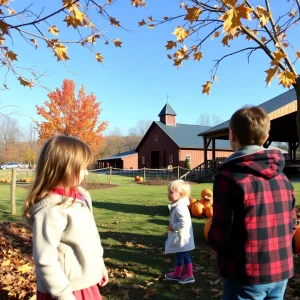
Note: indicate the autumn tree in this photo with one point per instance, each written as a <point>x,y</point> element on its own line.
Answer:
<point>228,20</point>
<point>66,115</point>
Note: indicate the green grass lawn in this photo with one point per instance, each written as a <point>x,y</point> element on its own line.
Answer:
<point>132,220</point>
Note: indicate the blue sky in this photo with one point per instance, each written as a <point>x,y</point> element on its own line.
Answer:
<point>134,80</point>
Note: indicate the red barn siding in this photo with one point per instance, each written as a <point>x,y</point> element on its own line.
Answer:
<point>130,162</point>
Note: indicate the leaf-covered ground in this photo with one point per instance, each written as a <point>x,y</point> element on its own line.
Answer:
<point>17,278</point>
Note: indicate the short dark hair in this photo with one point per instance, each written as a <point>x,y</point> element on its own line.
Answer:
<point>251,125</point>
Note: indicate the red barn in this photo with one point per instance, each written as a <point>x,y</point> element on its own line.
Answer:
<point>169,143</point>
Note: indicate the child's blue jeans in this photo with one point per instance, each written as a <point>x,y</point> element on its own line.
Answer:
<point>182,258</point>
<point>267,291</point>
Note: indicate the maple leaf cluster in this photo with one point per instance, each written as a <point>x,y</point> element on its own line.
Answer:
<point>231,19</point>
<point>79,15</point>
<point>65,114</point>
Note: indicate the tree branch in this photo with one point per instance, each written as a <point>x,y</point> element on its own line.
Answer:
<point>42,19</point>
<point>286,59</point>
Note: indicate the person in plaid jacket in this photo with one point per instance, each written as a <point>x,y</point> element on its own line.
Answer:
<point>254,213</point>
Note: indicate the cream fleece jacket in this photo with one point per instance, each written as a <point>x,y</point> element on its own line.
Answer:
<point>67,250</point>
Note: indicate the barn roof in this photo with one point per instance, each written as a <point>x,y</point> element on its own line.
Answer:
<point>119,155</point>
<point>185,135</point>
<point>167,110</point>
<point>269,106</point>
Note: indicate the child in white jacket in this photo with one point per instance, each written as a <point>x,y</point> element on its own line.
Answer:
<point>180,235</point>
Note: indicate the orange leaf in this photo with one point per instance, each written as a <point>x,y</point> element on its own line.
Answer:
<point>151,26</point>
<point>117,42</point>
<point>99,57</point>
<point>271,73</point>
<point>138,3</point>
<point>193,14</point>
<point>170,45</point>
<point>11,55</point>
<point>298,54</point>
<point>287,78</point>
<point>215,35</point>
<point>198,55</point>
<point>142,23</point>
<point>34,42</point>
<point>25,82</point>
<point>206,87</point>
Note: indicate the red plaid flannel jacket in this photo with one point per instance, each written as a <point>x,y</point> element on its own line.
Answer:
<point>254,218</point>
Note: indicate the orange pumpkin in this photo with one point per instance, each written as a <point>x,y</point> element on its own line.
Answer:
<point>207,228</point>
<point>141,179</point>
<point>192,200</point>
<point>209,212</point>
<point>207,194</point>
<point>137,178</point>
<point>297,239</point>
<point>197,209</point>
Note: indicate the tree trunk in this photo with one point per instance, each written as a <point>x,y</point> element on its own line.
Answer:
<point>297,89</point>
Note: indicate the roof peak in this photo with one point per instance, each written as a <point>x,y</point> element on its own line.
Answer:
<point>167,110</point>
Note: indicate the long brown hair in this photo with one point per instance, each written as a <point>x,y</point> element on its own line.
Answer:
<point>60,162</point>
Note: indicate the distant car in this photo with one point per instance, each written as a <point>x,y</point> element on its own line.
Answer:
<point>10,165</point>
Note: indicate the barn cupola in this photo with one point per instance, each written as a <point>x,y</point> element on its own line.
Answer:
<point>167,115</point>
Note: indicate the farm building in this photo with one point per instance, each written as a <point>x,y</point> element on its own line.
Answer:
<point>282,111</point>
<point>124,160</point>
<point>169,143</point>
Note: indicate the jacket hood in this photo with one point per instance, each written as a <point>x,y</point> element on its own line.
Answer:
<point>255,160</point>
<point>52,199</point>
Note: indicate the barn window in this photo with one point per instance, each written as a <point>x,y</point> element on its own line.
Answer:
<point>156,138</point>
<point>188,156</point>
<point>170,158</point>
<point>143,160</point>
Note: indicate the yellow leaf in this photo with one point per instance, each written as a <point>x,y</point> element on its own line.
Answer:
<point>25,82</point>
<point>2,39</point>
<point>181,33</point>
<point>99,57</point>
<point>151,26</point>
<point>287,78</point>
<point>170,45</point>
<point>5,263</point>
<point>206,87</point>
<point>193,14</point>
<point>11,11</point>
<point>142,23</point>
<point>34,42</point>
<point>293,13</point>
<point>232,18</point>
<point>198,55</point>
<point>278,56</point>
<point>117,42</point>
<point>271,73</point>
<point>11,55</point>
<point>60,51</point>
<point>25,269</point>
<point>264,15</point>
<point>79,15</point>
<point>53,30</point>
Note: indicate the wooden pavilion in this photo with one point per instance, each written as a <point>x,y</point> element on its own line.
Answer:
<point>282,111</point>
